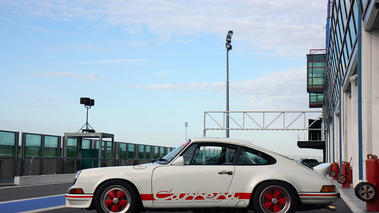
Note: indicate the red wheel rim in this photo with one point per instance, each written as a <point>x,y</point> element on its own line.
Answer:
<point>115,199</point>
<point>275,199</point>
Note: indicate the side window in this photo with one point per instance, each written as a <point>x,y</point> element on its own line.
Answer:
<point>213,155</point>
<point>254,157</point>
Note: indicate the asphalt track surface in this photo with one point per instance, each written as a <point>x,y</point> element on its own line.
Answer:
<point>50,199</point>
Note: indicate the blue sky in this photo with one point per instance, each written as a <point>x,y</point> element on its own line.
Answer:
<point>153,65</point>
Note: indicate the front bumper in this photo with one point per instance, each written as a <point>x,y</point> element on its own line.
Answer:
<point>78,200</point>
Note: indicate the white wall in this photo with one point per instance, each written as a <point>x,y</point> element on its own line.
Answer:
<point>349,112</point>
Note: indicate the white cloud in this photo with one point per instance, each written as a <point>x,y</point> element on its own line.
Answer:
<point>284,90</point>
<point>271,83</point>
<point>281,83</point>
<point>78,76</point>
<point>285,27</point>
<point>112,61</point>
<point>62,48</point>
<point>183,87</point>
<point>37,28</point>
<point>167,73</point>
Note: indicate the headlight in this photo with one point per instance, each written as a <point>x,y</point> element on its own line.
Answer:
<point>77,175</point>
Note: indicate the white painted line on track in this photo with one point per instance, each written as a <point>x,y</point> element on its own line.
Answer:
<point>352,205</point>
<point>33,185</point>
<point>33,198</point>
<point>44,209</point>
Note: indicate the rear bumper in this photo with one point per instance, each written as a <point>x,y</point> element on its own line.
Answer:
<point>318,198</point>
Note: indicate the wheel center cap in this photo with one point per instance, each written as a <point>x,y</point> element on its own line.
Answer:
<point>115,200</point>
<point>274,201</point>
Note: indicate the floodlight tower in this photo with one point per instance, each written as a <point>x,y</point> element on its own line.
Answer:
<point>88,103</point>
<point>228,46</point>
<point>186,126</point>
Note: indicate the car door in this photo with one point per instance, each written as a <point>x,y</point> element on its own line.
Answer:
<point>202,181</point>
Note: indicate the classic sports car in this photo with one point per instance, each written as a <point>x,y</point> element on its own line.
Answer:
<point>206,173</point>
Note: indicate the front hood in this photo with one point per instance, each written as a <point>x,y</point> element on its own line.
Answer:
<point>97,175</point>
<point>140,175</point>
<point>103,171</point>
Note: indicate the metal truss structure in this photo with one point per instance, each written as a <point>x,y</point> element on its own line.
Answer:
<point>261,120</point>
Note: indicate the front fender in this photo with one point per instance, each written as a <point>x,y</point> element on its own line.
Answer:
<point>90,179</point>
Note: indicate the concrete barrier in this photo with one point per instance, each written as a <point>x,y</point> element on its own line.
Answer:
<point>44,179</point>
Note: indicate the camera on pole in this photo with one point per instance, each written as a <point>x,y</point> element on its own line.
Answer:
<point>88,103</point>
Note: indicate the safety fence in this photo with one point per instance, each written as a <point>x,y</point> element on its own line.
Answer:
<point>39,154</point>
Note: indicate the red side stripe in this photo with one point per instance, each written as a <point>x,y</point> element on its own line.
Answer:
<point>147,197</point>
<point>239,195</point>
<point>243,195</point>
<point>79,196</point>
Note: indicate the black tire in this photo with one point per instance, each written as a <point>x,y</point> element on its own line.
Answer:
<point>274,196</point>
<point>365,191</point>
<point>333,173</point>
<point>116,196</point>
<point>341,179</point>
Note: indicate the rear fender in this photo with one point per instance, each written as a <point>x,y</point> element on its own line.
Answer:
<point>322,169</point>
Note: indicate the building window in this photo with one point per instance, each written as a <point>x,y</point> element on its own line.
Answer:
<point>131,152</point>
<point>72,147</point>
<point>51,146</point>
<point>148,152</point>
<point>156,152</point>
<point>33,145</point>
<point>123,150</point>
<point>141,152</point>
<point>7,142</point>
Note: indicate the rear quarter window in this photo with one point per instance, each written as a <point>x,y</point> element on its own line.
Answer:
<point>249,156</point>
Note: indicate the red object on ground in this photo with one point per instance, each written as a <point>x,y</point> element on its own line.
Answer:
<point>335,171</point>
<point>347,172</point>
<point>372,175</point>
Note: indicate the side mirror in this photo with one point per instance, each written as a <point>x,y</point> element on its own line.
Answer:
<point>179,161</point>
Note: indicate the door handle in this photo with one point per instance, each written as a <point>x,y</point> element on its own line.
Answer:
<point>225,173</point>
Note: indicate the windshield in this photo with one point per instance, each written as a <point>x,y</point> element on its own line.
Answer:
<point>167,158</point>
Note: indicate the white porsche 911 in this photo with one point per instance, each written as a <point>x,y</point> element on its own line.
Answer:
<point>206,173</point>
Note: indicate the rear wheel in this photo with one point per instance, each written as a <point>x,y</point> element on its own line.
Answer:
<point>116,196</point>
<point>274,196</point>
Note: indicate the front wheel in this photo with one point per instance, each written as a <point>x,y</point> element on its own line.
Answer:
<point>115,197</point>
<point>274,197</point>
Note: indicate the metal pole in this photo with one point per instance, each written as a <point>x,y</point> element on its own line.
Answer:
<point>87,119</point>
<point>228,47</point>
<point>227,93</point>
<point>186,126</point>
<point>359,80</point>
<point>340,125</point>
<point>205,131</point>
